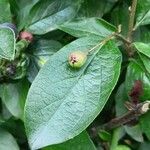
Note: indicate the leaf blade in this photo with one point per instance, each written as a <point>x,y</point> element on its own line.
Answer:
<point>64,102</point>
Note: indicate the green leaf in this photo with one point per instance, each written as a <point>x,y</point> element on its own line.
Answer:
<point>144,53</point>
<point>7,43</point>
<point>87,27</point>
<point>143,48</point>
<point>143,13</point>
<point>80,142</point>
<point>7,141</point>
<point>14,96</point>
<point>5,14</point>
<point>49,15</point>
<point>63,101</point>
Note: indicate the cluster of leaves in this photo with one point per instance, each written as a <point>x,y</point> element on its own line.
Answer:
<point>50,105</point>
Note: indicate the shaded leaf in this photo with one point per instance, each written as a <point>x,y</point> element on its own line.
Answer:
<point>5,14</point>
<point>14,96</point>
<point>92,8</point>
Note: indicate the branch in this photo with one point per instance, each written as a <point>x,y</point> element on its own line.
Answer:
<point>135,112</point>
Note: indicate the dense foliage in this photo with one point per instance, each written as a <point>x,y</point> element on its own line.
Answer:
<point>75,74</point>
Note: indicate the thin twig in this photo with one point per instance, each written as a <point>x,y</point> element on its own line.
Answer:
<point>131,20</point>
<point>102,42</point>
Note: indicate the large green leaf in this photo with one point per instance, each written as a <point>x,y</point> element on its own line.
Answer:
<point>14,96</point>
<point>7,43</point>
<point>80,142</point>
<point>7,141</point>
<point>49,14</point>
<point>87,27</point>
<point>63,101</point>
<point>143,13</point>
<point>5,14</point>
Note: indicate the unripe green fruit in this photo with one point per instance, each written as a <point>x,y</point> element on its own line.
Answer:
<point>77,59</point>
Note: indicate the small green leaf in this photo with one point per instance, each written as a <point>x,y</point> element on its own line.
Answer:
<point>80,142</point>
<point>87,27</point>
<point>104,135</point>
<point>143,48</point>
<point>7,43</point>
<point>5,14</point>
<point>43,49</point>
<point>62,101</point>
<point>7,141</point>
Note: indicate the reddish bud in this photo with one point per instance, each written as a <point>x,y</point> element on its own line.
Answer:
<point>26,36</point>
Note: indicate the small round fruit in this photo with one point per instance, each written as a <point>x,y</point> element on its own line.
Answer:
<point>77,59</point>
<point>26,36</point>
<point>11,26</point>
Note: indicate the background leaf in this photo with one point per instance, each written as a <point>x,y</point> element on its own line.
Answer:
<point>14,96</point>
<point>66,113</point>
<point>143,13</point>
<point>48,15</point>
<point>7,141</point>
<point>5,14</point>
